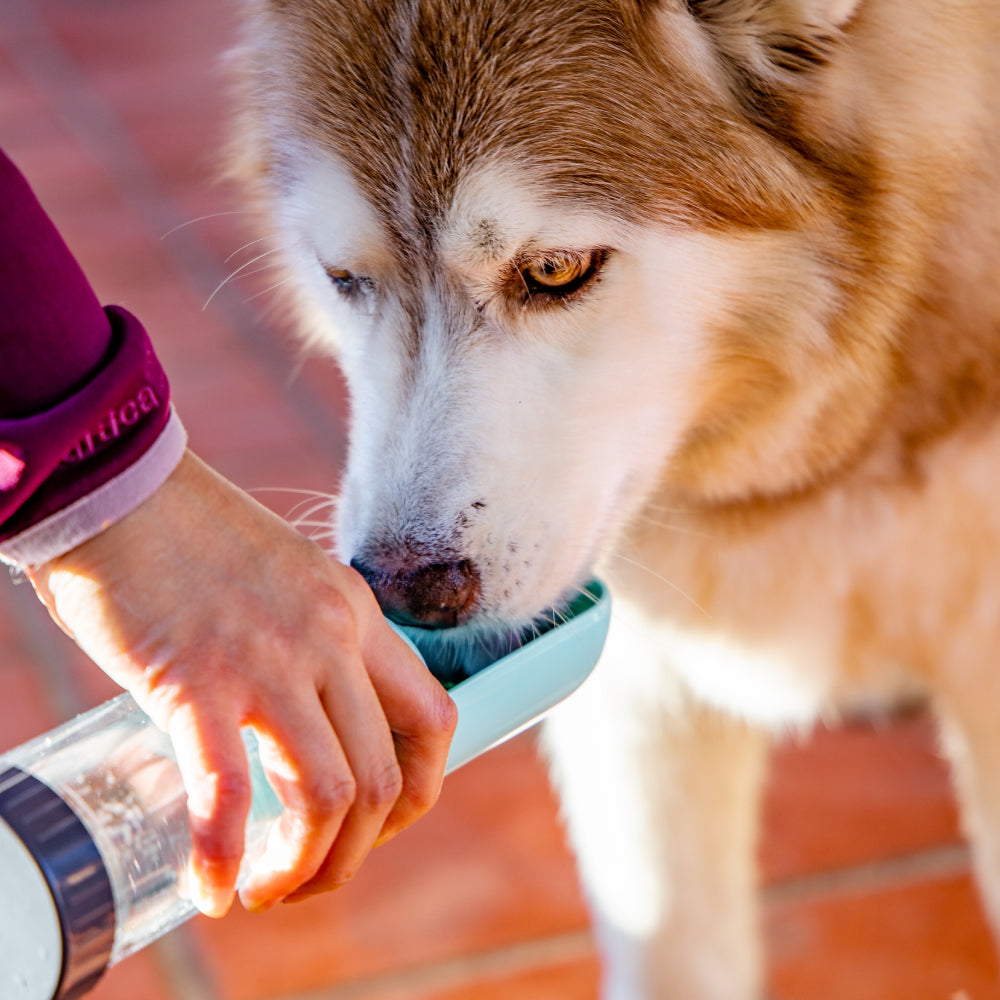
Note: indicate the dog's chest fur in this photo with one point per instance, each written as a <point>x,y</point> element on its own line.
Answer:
<point>871,590</point>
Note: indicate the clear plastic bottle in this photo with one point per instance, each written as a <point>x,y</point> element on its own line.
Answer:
<point>114,862</point>
<point>94,836</point>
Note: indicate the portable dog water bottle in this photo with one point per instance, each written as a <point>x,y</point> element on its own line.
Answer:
<point>94,840</point>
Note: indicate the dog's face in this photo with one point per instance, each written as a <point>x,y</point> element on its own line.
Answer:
<point>569,253</point>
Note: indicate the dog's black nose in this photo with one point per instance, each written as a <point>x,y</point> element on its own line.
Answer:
<point>429,596</point>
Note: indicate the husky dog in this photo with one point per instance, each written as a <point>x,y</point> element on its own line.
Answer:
<point>704,294</point>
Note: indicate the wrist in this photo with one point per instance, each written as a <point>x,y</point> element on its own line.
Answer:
<point>98,510</point>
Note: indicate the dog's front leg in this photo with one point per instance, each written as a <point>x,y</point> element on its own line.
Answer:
<point>661,800</point>
<point>969,708</point>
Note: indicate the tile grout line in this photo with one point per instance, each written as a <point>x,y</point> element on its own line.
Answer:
<point>449,973</point>
<point>87,116</point>
<point>933,863</point>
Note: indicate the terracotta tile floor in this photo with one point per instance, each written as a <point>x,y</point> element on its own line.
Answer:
<point>116,109</point>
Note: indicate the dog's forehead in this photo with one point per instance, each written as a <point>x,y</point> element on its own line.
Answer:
<point>413,95</point>
<point>410,94</point>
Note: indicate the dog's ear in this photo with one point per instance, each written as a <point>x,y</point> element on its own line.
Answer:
<point>772,46</point>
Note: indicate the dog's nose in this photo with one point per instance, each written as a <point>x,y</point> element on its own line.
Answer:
<point>429,596</point>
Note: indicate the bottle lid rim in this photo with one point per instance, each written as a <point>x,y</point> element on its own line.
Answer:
<point>77,878</point>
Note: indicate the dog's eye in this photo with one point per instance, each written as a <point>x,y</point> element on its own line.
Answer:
<point>556,271</point>
<point>560,273</point>
<point>343,281</point>
<point>348,283</point>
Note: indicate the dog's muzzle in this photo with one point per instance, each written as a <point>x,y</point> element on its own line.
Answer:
<point>433,596</point>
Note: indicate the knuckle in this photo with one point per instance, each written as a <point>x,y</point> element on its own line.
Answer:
<point>444,718</point>
<point>164,694</point>
<point>218,856</point>
<point>222,791</point>
<point>421,797</point>
<point>338,619</point>
<point>354,582</point>
<point>332,797</point>
<point>438,716</point>
<point>381,788</point>
<point>337,872</point>
<point>341,876</point>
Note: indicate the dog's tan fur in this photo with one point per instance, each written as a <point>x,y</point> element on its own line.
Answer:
<point>823,527</point>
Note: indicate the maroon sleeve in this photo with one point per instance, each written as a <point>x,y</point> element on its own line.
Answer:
<point>82,395</point>
<point>55,334</point>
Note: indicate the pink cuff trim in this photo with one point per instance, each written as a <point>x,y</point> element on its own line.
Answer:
<point>92,513</point>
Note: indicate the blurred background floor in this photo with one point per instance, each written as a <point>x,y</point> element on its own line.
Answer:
<point>117,112</point>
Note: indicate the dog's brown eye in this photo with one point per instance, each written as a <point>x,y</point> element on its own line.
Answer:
<point>343,281</point>
<point>348,283</point>
<point>557,270</point>
<point>560,273</point>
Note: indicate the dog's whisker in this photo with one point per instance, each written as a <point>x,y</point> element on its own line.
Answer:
<point>306,494</point>
<point>674,528</point>
<point>323,543</point>
<point>659,576</point>
<point>662,508</point>
<point>316,531</point>
<point>240,270</point>
<point>288,489</point>
<point>270,265</point>
<point>312,509</point>
<point>316,501</point>
<point>291,489</point>
<point>308,509</point>
<point>270,288</point>
<point>202,218</point>
<point>316,510</point>
<point>308,523</point>
<point>323,534</point>
<point>320,516</point>
<point>260,239</point>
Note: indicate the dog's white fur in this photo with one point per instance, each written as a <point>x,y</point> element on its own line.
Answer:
<point>771,418</point>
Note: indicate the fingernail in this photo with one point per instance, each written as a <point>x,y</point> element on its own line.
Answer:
<point>213,901</point>
<point>259,905</point>
<point>252,901</point>
<point>301,897</point>
<point>385,837</point>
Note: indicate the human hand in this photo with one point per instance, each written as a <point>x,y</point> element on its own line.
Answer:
<point>216,614</point>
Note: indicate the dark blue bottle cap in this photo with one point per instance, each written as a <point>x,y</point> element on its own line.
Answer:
<point>74,871</point>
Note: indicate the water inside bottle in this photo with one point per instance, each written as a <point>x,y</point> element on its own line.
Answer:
<point>135,808</point>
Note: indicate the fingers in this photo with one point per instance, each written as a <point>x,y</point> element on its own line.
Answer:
<point>213,766</point>
<point>392,724</point>
<point>373,798</point>
<point>375,784</point>
<point>328,803</point>
<point>355,755</point>
<point>339,799</point>
<point>422,717</point>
